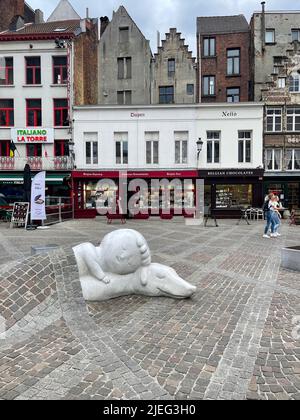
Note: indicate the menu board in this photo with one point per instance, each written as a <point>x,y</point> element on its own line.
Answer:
<point>20,215</point>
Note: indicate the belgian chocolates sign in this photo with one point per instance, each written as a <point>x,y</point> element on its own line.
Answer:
<point>233,173</point>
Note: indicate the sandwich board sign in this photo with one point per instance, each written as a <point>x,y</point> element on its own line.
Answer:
<point>20,215</point>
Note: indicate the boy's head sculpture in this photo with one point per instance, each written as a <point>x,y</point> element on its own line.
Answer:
<point>121,266</point>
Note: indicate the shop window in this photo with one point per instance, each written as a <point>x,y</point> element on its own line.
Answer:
<point>124,68</point>
<point>33,70</point>
<point>152,148</point>
<point>34,112</point>
<point>294,83</point>
<point>60,70</point>
<point>124,34</point>
<point>121,140</point>
<point>293,159</point>
<point>209,85</point>
<point>270,36</point>
<point>166,95</point>
<point>274,119</point>
<point>124,97</point>
<point>34,150</point>
<point>171,67</point>
<point>6,71</point>
<point>213,146</point>
<point>4,148</point>
<point>233,95</point>
<point>293,119</point>
<point>233,62</point>
<point>6,112</point>
<point>233,196</point>
<point>61,148</point>
<point>244,146</point>
<point>181,147</point>
<point>61,113</point>
<point>273,161</point>
<point>209,47</point>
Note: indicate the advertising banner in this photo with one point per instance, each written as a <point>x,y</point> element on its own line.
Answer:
<point>32,135</point>
<point>38,200</point>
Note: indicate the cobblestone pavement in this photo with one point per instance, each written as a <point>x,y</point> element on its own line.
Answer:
<point>235,339</point>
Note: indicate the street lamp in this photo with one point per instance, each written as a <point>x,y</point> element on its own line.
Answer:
<point>199,147</point>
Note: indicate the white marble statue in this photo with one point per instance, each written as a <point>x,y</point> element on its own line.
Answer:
<point>121,266</point>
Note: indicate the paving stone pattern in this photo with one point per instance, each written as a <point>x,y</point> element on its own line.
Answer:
<point>235,339</point>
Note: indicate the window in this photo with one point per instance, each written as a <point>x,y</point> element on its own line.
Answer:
<point>171,67</point>
<point>61,148</point>
<point>166,95</point>
<point>4,148</point>
<point>124,34</point>
<point>209,47</point>
<point>124,97</point>
<point>233,95</point>
<point>91,148</point>
<point>281,83</point>
<point>294,83</point>
<point>6,112</point>
<point>124,68</point>
<point>209,88</point>
<point>34,113</point>
<point>152,146</point>
<point>60,70</point>
<point>121,148</point>
<point>296,35</point>
<point>6,71</point>
<point>190,89</point>
<point>274,119</point>
<point>270,36</point>
<point>293,119</point>
<point>234,196</point>
<point>233,62</point>
<point>293,159</point>
<point>61,113</point>
<point>273,159</point>
<point>34,150</point>
<point>213,146</point>
<point>33,70</point>
<point>181,147</point>
<point>244,146</point>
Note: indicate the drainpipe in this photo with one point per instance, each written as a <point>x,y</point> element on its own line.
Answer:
<point>263,26</point>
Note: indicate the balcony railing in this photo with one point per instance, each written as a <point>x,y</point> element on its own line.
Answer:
<point>36,163</point>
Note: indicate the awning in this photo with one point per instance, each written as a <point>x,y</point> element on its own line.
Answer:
<point>17,179</point>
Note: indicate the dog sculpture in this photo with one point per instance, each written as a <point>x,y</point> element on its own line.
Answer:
<point>122,266</point>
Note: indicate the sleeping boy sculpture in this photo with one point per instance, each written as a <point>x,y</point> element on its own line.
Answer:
<point>122,266</point>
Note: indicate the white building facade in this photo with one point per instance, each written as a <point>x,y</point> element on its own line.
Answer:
<point>161,142</point>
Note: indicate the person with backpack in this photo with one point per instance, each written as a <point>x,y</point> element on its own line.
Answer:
<point>269,217</point>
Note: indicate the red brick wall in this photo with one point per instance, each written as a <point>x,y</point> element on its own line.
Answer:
<point>8,9</point>
<point>218,66</point>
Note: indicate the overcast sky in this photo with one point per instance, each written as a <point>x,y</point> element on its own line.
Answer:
<point>160,15</point>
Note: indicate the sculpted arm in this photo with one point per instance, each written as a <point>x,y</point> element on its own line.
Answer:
<point>90,258</point>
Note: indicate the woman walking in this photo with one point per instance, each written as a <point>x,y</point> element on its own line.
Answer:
<point>269,216</point>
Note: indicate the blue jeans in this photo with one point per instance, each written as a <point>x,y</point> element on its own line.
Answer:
<point>277,222</point>
<point>270,222</point>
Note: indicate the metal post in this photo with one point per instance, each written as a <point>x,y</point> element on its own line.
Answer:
<point>59,206</point>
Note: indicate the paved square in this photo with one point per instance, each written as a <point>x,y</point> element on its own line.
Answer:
<point>238,338</point>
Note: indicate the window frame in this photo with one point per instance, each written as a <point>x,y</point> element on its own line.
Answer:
<point>9,113</point>
<point>294,151</point>
<point>35,69</point>
<point>61,110</point>
<point>232,60</point>
<point>35,110</point>
<point>36,148</point>
<point>166,95</point>
<point>124,160</point>
<point>209,77</point>
<point>273,31</point>
<point>63,145</point>
<point>233,96</point>
<point>245,141</point>
<point>123,29</point>
<point>126,69</point>
<point>61,68</point>
<point>294,80</point>
<point>273,117</point>
<point>171,67</point>
<point>211,51</point>
<point>7,69</point>
<point>183,160</point>
<point>124,96</point>
<point>273,151</point>
<point>295,30</point>
<point>94,159</point>
<point>213,141</point>
<point>5,148</point>
<point>294,116</point>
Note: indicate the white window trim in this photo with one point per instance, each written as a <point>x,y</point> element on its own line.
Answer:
<point>152,152</point>
<point>294,121</point>
<point>245,142</point>
<point>92,142</point>
<point>273,160</point>
<point>122,152</point>
<point>293,161</point>
<point>294,77</point>
<point>213,148</point>
<point>274,116</point>
<point>181,152</point>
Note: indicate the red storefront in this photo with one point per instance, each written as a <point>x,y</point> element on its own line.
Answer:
<point>86,191</point>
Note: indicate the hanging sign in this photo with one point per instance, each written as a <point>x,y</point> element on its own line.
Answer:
<point>32,135</point>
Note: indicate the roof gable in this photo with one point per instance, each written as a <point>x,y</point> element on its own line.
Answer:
<point>222,24</point>
<point>63,11</point>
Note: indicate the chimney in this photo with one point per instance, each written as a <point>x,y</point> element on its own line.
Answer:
<point>104,24</point>
<point>39,16</point>
<point>19,8</point>
<point>87,13</point>
<point>158,39</point>
<point>263,26</point>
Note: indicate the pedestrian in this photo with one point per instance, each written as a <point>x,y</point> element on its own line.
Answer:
<point>276,216</point>
<point>269,216</point>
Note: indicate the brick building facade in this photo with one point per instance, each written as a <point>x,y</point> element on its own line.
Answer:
<point>223,59</point>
